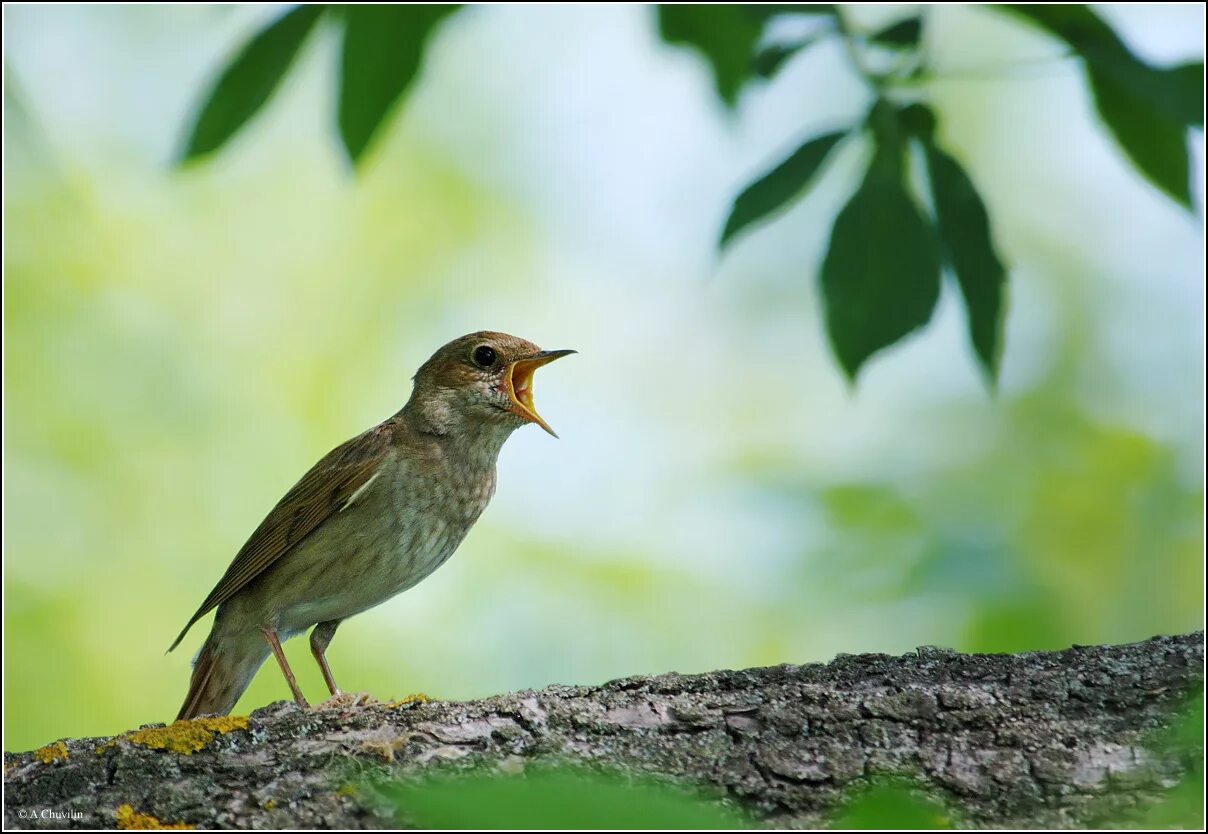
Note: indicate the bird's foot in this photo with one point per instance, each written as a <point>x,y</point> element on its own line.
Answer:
<point>349,700</point>
<point>417,698</point>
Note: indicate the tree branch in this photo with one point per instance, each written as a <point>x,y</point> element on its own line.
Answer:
<point>1040,739</point>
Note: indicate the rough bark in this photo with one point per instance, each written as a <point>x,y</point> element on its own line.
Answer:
<point>1028,740</point>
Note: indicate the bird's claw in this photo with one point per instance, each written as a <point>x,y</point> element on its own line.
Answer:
<point>349,700</point>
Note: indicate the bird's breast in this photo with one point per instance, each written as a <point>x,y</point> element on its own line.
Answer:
<point>433,516</point>
<point>400,530</point>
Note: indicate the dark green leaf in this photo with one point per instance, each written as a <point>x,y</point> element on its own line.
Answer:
<point>553,800</point>
<point>765,11</point>
<point>881,275</point>
<point>779,186</point>
<point>1147,109</point>
<point>964,228</point>
<point>1077,25</point>
<point>902,35</point>
<point>1186,83</point>
<point>249,81</point>
<point>771,58</point>
<point>724,33</point>
<point>1177,92</point>
<point>917,120</point>
<point>1156,144</point>
<point>383,49</point>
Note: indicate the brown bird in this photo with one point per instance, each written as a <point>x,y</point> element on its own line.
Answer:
<point>371,519</point>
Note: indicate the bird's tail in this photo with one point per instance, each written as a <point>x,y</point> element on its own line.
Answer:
<point>223,668</point>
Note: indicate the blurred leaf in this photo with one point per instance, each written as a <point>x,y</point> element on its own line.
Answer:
<point>869,509</point>
<point>964,228</point>
<point>553,800</point>
<point>724,33</point>
<point>1180,808</point>
<point>901,35</point>
<point>764,11</point>
<point>1183,805</point>
<point>881,274</point>
<point>1089,35</point>
<point>772,58</point>
<point>1156,145</point>
<point>1146,109</point>
<point>1184,735</point>
<point>779,186</point>
<point>893,804</point>
<point>383,48</point>
<point>249,81</point>
<point>1028,620</point>
<point>1187,85</point>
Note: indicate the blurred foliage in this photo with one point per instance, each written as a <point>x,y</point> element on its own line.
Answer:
<point>1183,806</point>
<point>779,186</point>
<point>881,276</point>
<point>1060,530</point>
<point>249,80</point>
<point>382,51</point>
<point>576,798</point>
<point>383,47</point>
<point>1147,109</point>
<point>891,804</point>
<point>554,799</point>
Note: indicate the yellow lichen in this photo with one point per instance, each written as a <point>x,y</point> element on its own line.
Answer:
<point>129,819</point>
<point>186,737</point>
<point>417,698</point>
<point>51,753</point>
<point>346,790</point>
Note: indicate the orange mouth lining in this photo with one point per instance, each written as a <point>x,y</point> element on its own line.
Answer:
<point>520,385</point>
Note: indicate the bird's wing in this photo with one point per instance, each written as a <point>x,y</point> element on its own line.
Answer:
<point>326,489</point>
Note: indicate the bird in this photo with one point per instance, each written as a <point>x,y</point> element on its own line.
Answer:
<point>375,516</point>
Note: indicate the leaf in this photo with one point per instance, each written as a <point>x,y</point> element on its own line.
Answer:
<point>1156,144</point>
<point>892,803</point>
<point>779,186</point>
<point>383,49</point>
<point>724,33</point>
<point>554,800</point>
<point>766,11</point>
<point>771,58</point>
<point>1186,83</point>
<point>1147,109</point>
<point>901,35</point>
<point>249,81</point>
<point>964,228</point>
<point>881,274</point>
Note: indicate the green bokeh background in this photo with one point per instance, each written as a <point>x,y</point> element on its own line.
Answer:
<point>181,345</point>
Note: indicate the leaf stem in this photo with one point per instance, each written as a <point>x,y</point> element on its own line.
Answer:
<point>874,81</point>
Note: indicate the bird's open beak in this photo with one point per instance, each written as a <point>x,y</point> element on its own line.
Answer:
<point>520,384</point>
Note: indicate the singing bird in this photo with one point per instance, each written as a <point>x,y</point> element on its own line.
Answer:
<point>371,519</point>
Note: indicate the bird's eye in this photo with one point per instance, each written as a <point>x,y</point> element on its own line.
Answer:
<point>484,356</point>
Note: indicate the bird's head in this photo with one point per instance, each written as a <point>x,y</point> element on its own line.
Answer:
<point>482,380</point>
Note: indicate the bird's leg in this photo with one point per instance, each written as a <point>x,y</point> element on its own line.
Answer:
<point>275,645</point>
<point>319,640</point>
